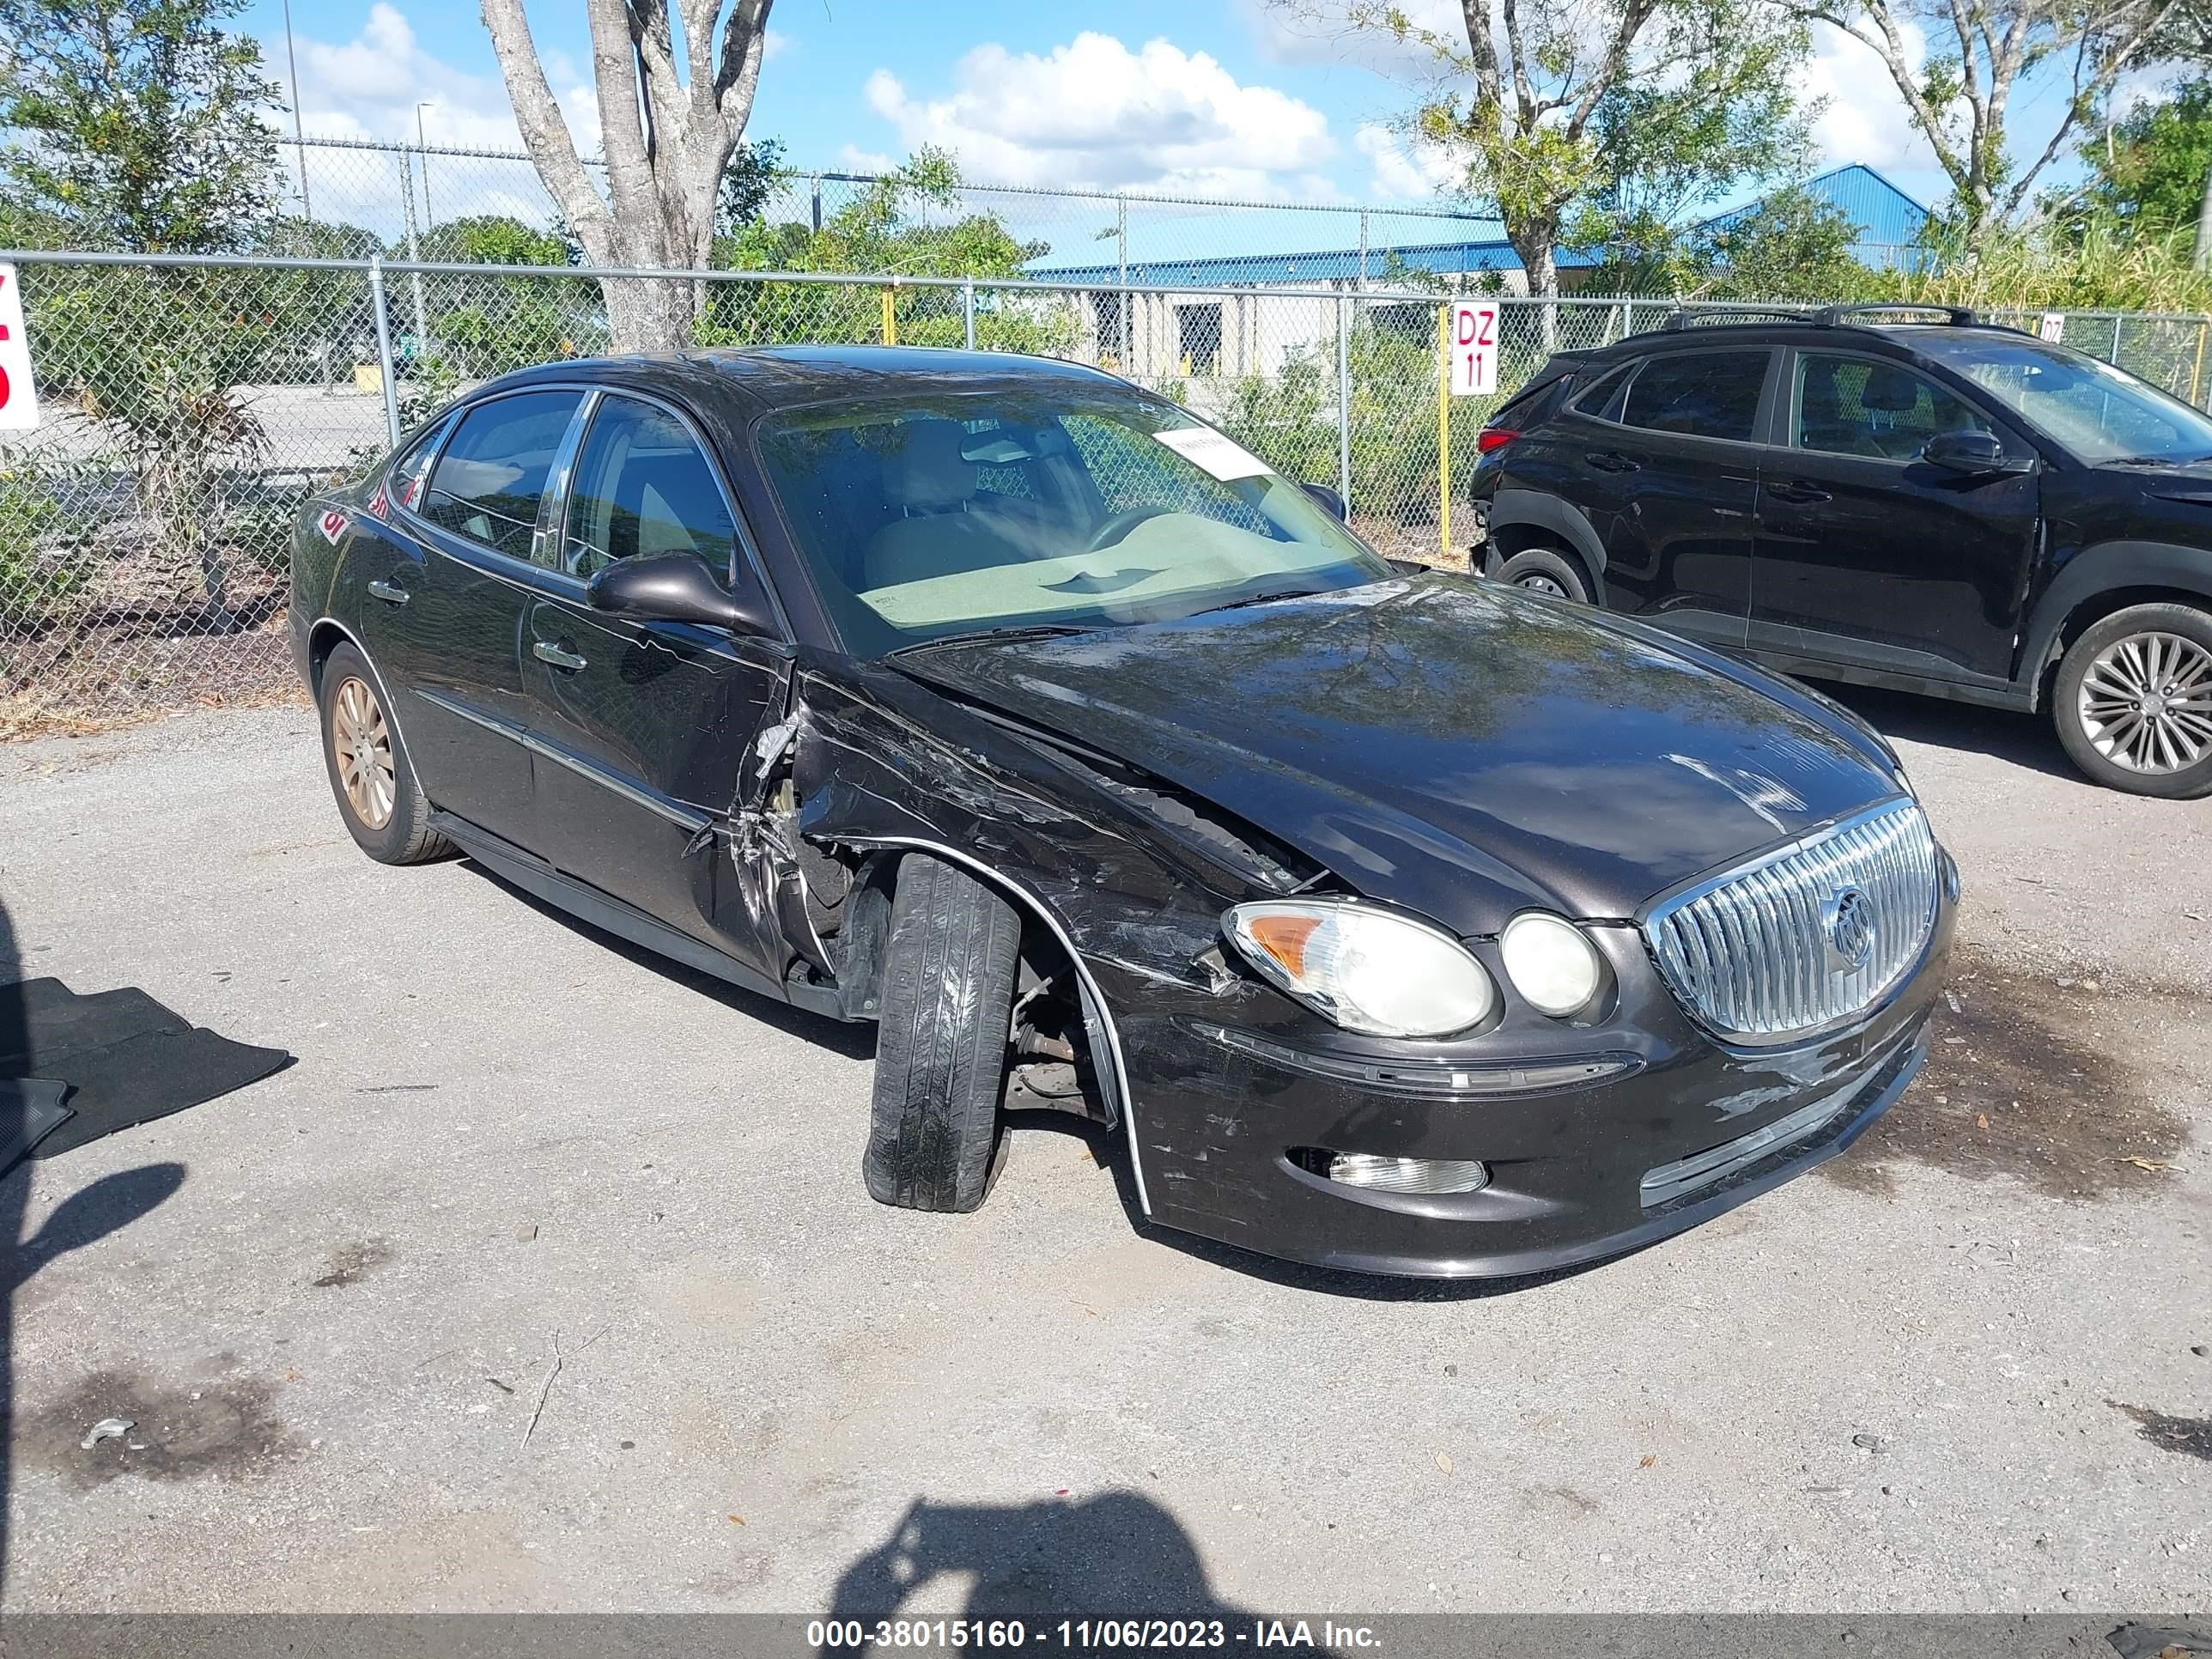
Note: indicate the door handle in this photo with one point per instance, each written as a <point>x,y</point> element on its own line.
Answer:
<point>388,593</point>
<point>1799,491</point>
<point>1610,460</point>
<point>559,655</point>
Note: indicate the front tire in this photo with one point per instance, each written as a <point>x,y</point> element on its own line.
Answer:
<point>370,774</point>
<point>2133,702</point>
<point>935,1137</point>
<point>1543,570</point>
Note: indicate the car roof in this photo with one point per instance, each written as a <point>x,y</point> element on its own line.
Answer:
<point>1688,329</point>
<point>749,380</point>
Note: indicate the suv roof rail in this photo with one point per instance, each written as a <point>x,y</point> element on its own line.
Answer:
<point>1690,316</point>
<point>1956,316</point>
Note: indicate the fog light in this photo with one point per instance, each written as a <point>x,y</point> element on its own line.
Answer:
<point>1409,1174</point>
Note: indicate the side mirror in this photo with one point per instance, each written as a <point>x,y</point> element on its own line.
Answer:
<point>1972,452</point>
<point>1327,497</point>
<point>671,587</point>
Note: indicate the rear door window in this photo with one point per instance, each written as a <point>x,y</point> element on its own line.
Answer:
<point>1700,394</point>
<point>491,476</point>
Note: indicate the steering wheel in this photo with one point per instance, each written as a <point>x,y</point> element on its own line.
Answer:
<point>1120,523</point>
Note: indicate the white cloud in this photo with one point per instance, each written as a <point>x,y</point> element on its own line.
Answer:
<point>1862,118</point>
<point>1405,169</point>
<point>1093,113</point>
<point>1321,32</point>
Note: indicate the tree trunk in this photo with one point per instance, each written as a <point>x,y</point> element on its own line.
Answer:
<point>645,313</point>
<point>1537,246</point>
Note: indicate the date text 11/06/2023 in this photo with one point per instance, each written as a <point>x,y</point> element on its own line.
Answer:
<point>1088,1635</point>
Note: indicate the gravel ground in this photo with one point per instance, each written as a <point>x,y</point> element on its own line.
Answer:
<point>545,1280</point>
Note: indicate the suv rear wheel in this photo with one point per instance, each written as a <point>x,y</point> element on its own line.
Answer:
<point>2133,702</point>
<point>1543,570</point>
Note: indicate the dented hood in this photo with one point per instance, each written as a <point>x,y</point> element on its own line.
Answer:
<point>1452,747</point>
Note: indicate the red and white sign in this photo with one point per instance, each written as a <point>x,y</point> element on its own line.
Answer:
<point>19,397</point>
<point>333,524</point>
<point>1474,348</point>
<point>2053,328</point>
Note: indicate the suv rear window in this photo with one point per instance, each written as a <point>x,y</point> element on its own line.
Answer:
<point>1702,394</point>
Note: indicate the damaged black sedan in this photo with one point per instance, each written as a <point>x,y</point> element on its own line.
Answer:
<point>1396,920</point>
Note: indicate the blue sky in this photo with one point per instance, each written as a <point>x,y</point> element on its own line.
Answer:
<point>1216,97</point>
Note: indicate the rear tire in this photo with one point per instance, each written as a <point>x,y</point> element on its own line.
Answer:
<point>1544,570</point>
<point>2132,701</point>
<point>373,781</point>
<point>941,1046</point>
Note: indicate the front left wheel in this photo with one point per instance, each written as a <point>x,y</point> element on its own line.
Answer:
<point>935,1138</point>
<point>370,774</point>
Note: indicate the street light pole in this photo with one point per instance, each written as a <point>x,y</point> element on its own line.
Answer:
<point>423,144</point>
<point>299,136</point>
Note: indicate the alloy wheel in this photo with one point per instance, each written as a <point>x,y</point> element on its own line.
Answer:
<point>362,745</point>
<point>2146,702</point>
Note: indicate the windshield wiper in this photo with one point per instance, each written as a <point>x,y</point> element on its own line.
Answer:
<point>1268,597</point>
<point>998,635</point>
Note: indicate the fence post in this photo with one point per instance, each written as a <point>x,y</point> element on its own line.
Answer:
<point>1444,430</point>
<point>384,369</point>
<point>1343,399</point>
<point>2118,318</point>
<point>890,317</point>
<point>968,310</point>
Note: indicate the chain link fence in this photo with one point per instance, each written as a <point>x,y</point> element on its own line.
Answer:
<point>191,408</point>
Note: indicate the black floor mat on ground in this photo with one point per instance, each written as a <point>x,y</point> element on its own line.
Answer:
<point>123,1058</point>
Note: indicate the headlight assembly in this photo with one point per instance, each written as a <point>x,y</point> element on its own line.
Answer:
<point>1551,964</point>
<point>1367,969</point>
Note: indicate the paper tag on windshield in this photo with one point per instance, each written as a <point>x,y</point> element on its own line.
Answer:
<point>1224,458</point>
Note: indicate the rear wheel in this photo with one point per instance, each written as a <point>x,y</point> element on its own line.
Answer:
<point>1544,570</point>
<point>2133,702</point>
<point>370,774</point>
<point>935,1139</point>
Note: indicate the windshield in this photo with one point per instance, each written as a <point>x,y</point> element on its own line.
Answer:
<point>1085,506</point>
<point>2099,412</point>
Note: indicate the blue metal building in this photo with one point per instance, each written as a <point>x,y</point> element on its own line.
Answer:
<point>1889,221</point>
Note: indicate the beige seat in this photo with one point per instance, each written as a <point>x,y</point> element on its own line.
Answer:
<point>927,479</point>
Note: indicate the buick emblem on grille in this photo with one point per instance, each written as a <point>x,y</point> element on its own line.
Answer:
<point>1850,919</point>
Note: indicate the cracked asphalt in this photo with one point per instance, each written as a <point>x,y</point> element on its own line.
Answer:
<point>545,1280</point>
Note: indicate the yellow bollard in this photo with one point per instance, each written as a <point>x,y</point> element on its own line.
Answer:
<point>890,318</point>
<point>2197,374</point>
<point>1443,433</point>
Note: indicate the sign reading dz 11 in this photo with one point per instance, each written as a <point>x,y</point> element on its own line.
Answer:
<point>19,401</point>
<point>1474,348</point>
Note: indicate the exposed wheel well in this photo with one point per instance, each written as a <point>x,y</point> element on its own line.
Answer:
<point>1045,962</point>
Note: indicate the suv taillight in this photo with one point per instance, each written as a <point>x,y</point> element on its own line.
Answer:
<point>1494,437</point>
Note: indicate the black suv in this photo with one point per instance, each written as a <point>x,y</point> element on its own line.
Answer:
<point>1956,508</point>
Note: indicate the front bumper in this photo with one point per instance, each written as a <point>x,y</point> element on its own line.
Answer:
<point>1688,1130</point>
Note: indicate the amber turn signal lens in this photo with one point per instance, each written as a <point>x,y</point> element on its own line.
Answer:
<point>1284,937</point>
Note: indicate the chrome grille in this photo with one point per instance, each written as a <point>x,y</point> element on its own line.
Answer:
<point>1764,953</point>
